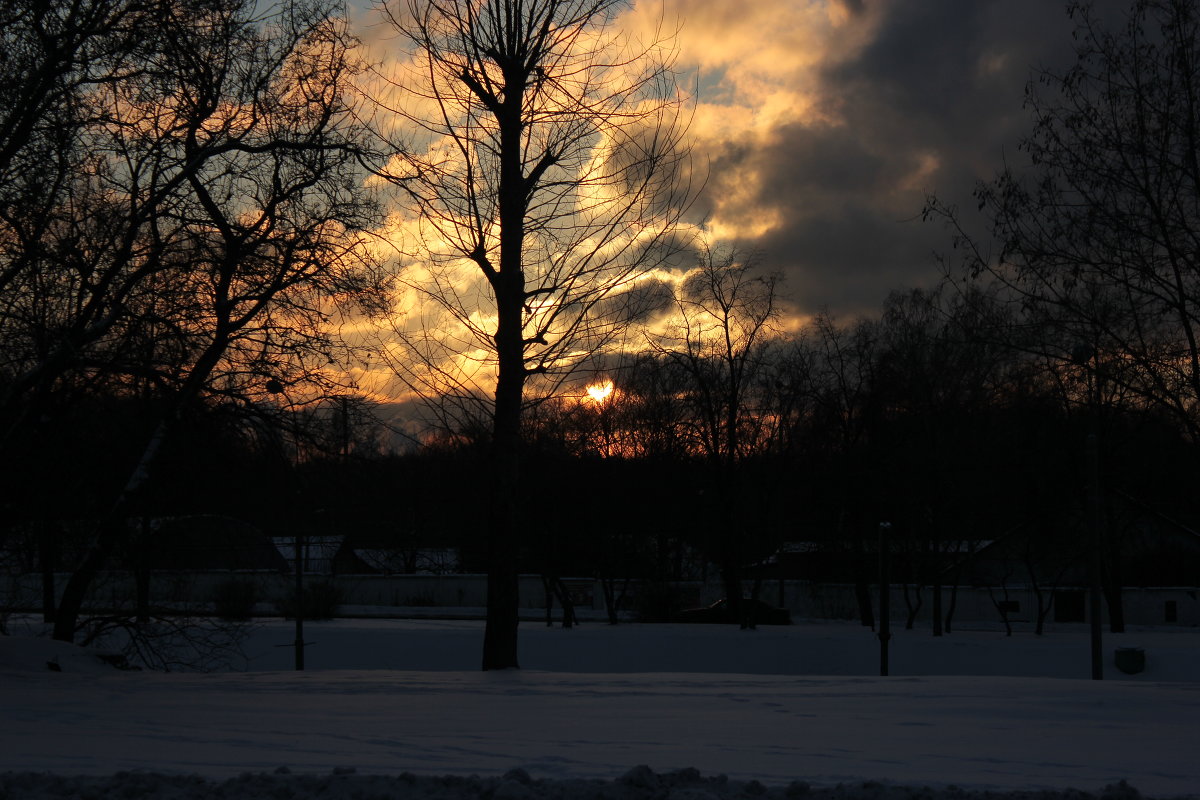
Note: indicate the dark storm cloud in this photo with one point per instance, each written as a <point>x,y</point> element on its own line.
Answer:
<point>932,103</point>
<point>639,304</point>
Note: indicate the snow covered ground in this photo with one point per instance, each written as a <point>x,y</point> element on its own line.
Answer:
<point>714,713</point>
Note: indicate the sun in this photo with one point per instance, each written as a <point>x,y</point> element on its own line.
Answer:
<point>599,392</point>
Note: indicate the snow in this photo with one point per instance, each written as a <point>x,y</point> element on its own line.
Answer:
<point>389,708</point>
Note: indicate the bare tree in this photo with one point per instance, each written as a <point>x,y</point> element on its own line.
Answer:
<point>210,183</point>
<point>721,347</point>
<point>841,380</point>
<point>57,57</point>
<point>207,233</point>
<point>54,54</point>
<point>1098,237</point>
<point>542,173</point>
<point>727,322</point>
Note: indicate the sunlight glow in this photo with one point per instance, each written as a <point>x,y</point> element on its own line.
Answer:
<point>599,392</point>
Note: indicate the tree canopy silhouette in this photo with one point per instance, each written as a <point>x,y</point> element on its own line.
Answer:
<point>542,165</point>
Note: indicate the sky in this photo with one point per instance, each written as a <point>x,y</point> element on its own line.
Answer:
<point>825,123</point>
<point>823,126</point>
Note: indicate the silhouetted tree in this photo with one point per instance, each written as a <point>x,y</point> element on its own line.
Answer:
<point>942,359</point>
<point>839,378</point>
<point>542,175</point>
<point>720,347</point>
<point>1097,236</point>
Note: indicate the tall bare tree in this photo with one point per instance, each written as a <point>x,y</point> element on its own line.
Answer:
<point>542,172</point>
<point>206,231</point>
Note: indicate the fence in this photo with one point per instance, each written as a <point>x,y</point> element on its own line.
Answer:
<point>384,594</point>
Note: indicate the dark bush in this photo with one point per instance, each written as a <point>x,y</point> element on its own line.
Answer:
<point>234,599</point>
<point>319,600</point>
<point>658,601</point>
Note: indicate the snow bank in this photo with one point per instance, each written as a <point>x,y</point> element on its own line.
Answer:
<point>30,654</point>
<point>639,783</point>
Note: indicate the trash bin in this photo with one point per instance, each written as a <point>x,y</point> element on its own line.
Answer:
<point>1131,660</point>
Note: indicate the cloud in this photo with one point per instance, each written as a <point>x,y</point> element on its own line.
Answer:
<point>825,123</point>
<point>640,303</point>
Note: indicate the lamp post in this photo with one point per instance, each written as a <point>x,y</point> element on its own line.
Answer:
<point>275,387</point>
<point>1095,521</point>
<point>1086,356</point>
<point>885,591</point>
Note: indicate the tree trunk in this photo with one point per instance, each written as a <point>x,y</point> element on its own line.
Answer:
<point>110,533</point>
<point>500,632</point>
<point>914,608</point>
<point>936,607</point>
<point>66,618</point>
<point>1116,608</point>
<point>508,284</point>
<point>1113,596</point>
<point>953,605</point>
<point>1002,607</point>
<point>141,573</point>
<point>548,589</point>
<point>862,584</point>
<point>111,529</point>
<point>568,605</point>
<point>731,579</point>
<point>750,609</point>
<point>610,601</point>
<point>48,562</point>
<point>866,611</point>
<point>142,579</point>
<point>1039,597</point>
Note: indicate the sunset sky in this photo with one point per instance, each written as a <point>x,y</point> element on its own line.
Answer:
<point>827,121</point>
<point>823,125</point>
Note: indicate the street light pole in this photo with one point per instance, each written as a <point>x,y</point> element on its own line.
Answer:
<point>1095,521</point>
<point>275,387</point>
<point>299,644</point>
<point>885,591</point>
<point>1087,357</point>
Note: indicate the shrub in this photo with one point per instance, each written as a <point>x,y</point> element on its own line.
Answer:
<point>319,600</point>
<point>658,602</point>
<point>234,599</point>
